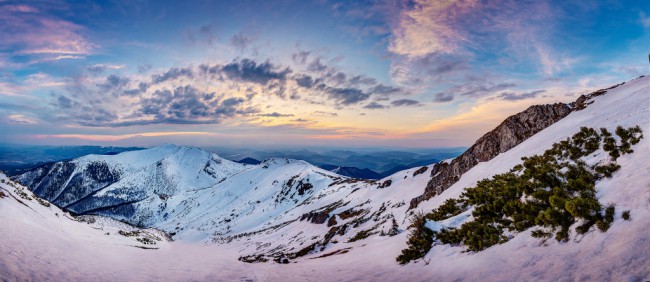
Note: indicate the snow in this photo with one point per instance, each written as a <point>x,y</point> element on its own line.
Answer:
<point>452,222</point>
<point>35,244</point>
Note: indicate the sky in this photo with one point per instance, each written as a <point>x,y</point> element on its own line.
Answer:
<point>419,73</point>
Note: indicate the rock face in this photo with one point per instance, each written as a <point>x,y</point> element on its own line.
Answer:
<point>514,130</point>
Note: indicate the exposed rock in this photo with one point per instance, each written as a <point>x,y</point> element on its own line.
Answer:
<point>303,187</point>
<point>420,171</point>
<point>350,213</point>
<point>315,217</point>
<point>332,221</point>
<point>385,184</point>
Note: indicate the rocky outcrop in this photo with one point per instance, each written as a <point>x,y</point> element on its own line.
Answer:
<point>512,131</point>
<point>316,217</point>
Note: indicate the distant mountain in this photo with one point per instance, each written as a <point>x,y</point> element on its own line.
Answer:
<point>249,161</point>
<point>17,159</point>
<point>353,172</point>
<point>380,160</point>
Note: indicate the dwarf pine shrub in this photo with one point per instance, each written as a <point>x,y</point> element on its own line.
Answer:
<point>549,192</point>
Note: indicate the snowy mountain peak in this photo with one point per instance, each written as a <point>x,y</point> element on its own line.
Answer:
<point>283,161</point>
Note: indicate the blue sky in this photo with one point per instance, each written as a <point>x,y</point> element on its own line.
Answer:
<point>302,73</point>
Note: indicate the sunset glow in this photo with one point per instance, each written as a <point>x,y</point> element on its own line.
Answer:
<point>387,73</point>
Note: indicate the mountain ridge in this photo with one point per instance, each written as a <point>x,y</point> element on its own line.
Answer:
<point>310,214</point>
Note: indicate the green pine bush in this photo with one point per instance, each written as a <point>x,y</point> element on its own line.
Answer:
<point>549,192</point>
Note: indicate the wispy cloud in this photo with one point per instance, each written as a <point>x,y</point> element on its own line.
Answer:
<point>428,27</point>
<point>405,102</point>
<point>21,119</point>
<point>374,106</point>
<point>511,96</point>
<point>437,42</point>
<point>28,31</point>
<point>101,68</point>
<point>275,115</point>
<point>644,19</point>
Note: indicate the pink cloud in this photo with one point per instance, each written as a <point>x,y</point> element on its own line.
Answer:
<point>27,31</point>
<point>429,28</point>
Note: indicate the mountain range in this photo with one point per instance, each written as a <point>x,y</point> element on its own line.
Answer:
<point>187,213</point>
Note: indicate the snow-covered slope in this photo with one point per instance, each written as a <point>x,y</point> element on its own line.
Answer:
<point>332,227</point>
<point>188,192</point>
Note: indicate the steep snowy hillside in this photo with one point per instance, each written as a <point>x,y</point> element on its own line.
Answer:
<point>21,210</point>
<point>327,227</point>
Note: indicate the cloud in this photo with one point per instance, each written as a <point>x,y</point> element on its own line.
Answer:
<point>632,70</point>
<point>511,96</point>
<point>89,116</point>
<point>204,34</point>
<point>552,64</point>
<point>385,90</point>
<point>423,71</point>
<point>241,41</point>
<point>40,79</point>
<point>113,84</point>
<point>324,81</point>
<point>211,93</point>
<point>436,42</point>
<point>305,81</point>
<point>29,31</point>
<point>142,88</point>
<point>443,97</point>
<point>323,113</point>
<point>300,57</point>
<point>21,119</point>
<point>317,66</point>
<point>144,68</point>
<point>180,105</point>
<point>427,27</point>
<point>478,90</point>
<point>472,88</point>
<point>250,71</point>
<point>644,20</point>
<point>405,102</point>
<point>172,74</point>
<point>101,68</point>
<point>374,105</point>
<point>187,105</point>
<point>347,96</point>
<point>65,102</point>
<point>275,115</point>
<point>364,80</point>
